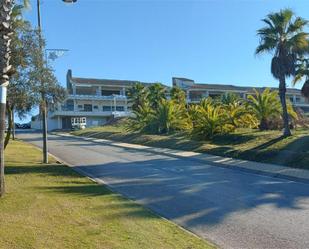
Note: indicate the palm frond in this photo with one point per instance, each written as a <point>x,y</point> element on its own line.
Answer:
<point>298,25</point>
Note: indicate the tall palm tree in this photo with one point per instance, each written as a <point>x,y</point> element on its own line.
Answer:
<point>6,9</point>
<point>6,70</point>
<point>283,36</point>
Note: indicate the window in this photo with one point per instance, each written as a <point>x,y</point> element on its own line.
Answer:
<point>107,108</point>
<point>80,106</point>
<point>110,92</point>
<point>95,107</point>
<point>87,108</point>
<point>120,108</point>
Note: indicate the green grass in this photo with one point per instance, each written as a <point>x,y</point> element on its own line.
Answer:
<point>51,206</point>
<point>266,146</point>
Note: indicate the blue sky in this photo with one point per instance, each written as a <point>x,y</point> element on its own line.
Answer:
<point>208,41</point>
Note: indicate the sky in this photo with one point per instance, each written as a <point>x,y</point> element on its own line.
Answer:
<point>153,41</point>
<point>208,41</point>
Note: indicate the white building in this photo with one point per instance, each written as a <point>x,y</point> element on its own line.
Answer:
<point>96,99</point>
<point>196,91</point>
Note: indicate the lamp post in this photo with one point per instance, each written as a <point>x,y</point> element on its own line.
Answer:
<point>43,106</point>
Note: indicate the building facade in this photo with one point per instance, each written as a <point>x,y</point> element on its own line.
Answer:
<point>197,91</point>
<point>98,100</point>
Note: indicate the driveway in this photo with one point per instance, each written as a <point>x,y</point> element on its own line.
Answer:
<point>231,208</point>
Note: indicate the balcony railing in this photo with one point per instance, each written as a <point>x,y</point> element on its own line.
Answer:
<point>97,97</point>
<point>70,112</point>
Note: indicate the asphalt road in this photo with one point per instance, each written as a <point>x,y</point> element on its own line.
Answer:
<point>231,208</point>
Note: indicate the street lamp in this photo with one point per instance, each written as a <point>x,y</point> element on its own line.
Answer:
<point>44,102</point>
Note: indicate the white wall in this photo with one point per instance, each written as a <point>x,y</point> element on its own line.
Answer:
<point>37,124</point>
<point>95,121</point>
<point>53,124</point>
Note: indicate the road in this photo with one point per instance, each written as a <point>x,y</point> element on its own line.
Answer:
<point>231,208</point>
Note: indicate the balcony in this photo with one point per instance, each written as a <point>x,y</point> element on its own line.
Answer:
<point>96,97</point>
<point>90,113</point>
<point>301,104</point>
<point>194,100</point>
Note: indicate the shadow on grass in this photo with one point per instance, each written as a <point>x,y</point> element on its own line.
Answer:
<point>50,169</point>
<point>116,205</point>
<point>268,143</point>
<point>294,153</point>
<point>80,189</point>
<point>232,139</point>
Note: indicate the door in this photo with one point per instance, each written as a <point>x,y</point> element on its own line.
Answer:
<point>66,123</point>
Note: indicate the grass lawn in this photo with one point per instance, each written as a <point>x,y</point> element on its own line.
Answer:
<point>266,146</point>
<point>51,206</point>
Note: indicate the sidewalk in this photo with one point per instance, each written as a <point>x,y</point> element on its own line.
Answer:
<point>243,165</point>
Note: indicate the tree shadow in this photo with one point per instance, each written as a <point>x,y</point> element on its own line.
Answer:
<point>268,143</point>
<point>179,189</point>
<point>49,169</point>
<point>294,154</point>
<point>232,139</point>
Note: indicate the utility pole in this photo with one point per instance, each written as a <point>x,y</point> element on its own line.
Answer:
<point>6,70</point>
<point>43,105</point>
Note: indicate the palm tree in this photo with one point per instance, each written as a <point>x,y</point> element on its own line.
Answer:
<point>229,98</point>
<point>178,95</point>
<point>266,106</point>
<point>6,71</point>
<point>237,115</point>
<point>170,116</point>
<point>302,72</point>
<point>208,118</point>
<point>142,121</point>
<point>137,95</point>
<point>157,93</point>
<point>283,36</point>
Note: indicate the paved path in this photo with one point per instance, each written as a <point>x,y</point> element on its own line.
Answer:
<point>234,209</point>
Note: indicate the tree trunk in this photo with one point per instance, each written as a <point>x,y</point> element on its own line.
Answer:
<point>285,116</point>
<point>263,125</point>
<point>9,130</point>
<point>2,133</point>
<point>5,72</point>
<point>13,122</point>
